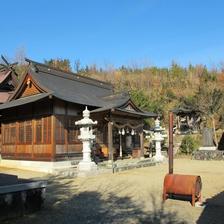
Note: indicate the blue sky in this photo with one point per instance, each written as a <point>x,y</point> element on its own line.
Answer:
<point>115,32</point>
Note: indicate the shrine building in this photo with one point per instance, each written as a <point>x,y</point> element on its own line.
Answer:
<point>38,120</point>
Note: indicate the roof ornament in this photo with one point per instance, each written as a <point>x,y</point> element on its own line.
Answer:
<point>28,82</point>
<point>34,67</point>
<point>86,113</point>
<point>7,65</point>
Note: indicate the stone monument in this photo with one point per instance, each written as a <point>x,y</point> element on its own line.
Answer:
<point>207,139</point>
<point>86,136</point>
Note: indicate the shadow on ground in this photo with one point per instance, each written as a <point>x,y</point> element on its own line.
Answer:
<point>213,211</point>
<point>66,204</point>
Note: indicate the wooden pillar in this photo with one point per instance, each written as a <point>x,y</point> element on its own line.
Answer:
<point>66,127</point>
<point>141,143</point>
<point>170,150</point>
<point>66,133</point>
<point>1,141</point>
<point>2,137</point>
<point>178,123</point>
<point>110,141</point>
<point>33,136</point>
<point>33,125</point>
<point>53,132</point>
<point>17,138</point>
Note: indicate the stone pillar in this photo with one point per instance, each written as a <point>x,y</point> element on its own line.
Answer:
<point>207,139</point>
<point>121,154</point>
<point>86,151</point>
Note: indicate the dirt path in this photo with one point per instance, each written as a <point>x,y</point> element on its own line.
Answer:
<point>132,196</point>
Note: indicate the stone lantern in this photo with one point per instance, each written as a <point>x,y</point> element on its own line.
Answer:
<point>87,137</point>
<point>158,138</point>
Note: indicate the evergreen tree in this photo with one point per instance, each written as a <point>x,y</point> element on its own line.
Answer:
<point>62,64</point>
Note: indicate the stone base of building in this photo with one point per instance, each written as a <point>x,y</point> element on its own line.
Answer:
<point>38,166</point>
<point>212,148</point>
<point>208,155</point>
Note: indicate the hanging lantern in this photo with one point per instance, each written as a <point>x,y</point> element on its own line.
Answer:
<point>132,132</point>
<point>123,131</point>
<point>119,131</point>
<point>127,130</point>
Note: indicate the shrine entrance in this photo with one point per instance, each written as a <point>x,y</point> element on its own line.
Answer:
<point>120,131</point>
<point>126,140</point>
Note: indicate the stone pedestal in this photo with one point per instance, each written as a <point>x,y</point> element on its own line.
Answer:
<point>87,166</point>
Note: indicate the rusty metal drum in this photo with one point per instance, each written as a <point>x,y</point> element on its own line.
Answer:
<point>182,185</point>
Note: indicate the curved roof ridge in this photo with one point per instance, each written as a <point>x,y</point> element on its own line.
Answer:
<point>70,75</point>
<point>117,95</point>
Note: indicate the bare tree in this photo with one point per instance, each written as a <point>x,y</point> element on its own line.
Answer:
<point>20,55</point>
<point>209,101</point>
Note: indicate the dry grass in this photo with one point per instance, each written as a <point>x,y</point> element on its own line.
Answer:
<point>132,196</point>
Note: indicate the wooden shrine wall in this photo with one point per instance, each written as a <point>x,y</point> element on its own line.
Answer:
<point>28,139</point>
<point>27,132</point>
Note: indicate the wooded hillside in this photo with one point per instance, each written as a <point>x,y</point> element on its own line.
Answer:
<point>161,89</point>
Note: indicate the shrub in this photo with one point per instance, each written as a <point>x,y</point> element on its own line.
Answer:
<point>188,145</point>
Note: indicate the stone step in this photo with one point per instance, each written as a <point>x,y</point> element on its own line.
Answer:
<point>66,172</point>
<point>127,164</point>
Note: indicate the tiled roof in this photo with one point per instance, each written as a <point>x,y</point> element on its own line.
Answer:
<point>24,100</point>
<point>74,88</point>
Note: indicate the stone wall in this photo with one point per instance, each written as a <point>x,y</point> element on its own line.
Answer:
<point>208,155</point>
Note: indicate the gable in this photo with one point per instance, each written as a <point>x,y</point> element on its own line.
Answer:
<point>29,89</point>
<point>130,106</point>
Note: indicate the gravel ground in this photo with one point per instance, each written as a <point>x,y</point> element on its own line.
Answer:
<point>132,196</point>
